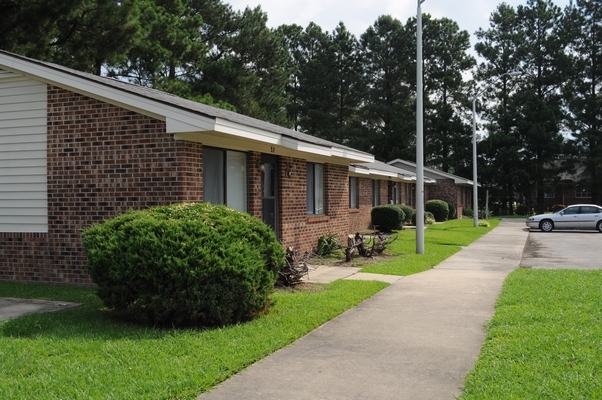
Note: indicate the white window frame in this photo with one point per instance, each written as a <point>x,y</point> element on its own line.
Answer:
<point>375,192</point>
<point>315,189</point>
<point>353,189</point>
<point>582,192</point>
<point>230,171</point>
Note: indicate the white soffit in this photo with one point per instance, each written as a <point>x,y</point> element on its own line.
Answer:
<point>377,172</point>
<point>357,156</point>
<point>306,147</point>
<point>358,170</point>
<point>259,135</point>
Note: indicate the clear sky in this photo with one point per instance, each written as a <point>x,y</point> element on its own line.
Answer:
<point>360,14</point>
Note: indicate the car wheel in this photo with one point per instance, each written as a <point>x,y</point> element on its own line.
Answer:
<point>546,225</point>
<point>599,226</point>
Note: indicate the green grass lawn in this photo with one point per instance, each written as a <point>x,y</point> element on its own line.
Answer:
<point>84,353</point>
<point>545,339</point>
<point>440,242</point>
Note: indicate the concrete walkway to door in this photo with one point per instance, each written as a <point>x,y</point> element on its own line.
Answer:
<point>416,339</point>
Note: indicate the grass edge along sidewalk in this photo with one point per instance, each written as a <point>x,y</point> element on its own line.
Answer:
<point>544,340</point>
<point>84,353</point>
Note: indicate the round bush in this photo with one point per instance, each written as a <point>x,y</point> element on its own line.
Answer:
<point>408,211</point>
<point>452,211</point>
<point>387,218</point>
<point>439,208</point>
<point>184,264</point>
<point>428,218</point>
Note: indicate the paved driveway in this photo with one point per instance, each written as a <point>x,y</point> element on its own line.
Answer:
<point>563,249</point>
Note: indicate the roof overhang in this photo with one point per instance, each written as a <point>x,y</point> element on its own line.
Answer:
<point>186,124</point>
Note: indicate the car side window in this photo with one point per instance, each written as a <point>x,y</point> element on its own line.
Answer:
<point>571,211</point>
<point>589,210</point>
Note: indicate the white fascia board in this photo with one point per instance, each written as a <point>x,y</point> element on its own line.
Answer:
<point>199,124</point>
<point>356,156</point>
<point>387,174</point>
<point>358,170</point>
<point>247,132</point>
<point>306,147</point>
<point>250,133</point>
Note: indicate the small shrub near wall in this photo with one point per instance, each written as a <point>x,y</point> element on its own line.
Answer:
<point>557,207</point>
<point>328,244</point>
<point>408,211</point>
<point>184,264</point>
<point>387,218</point>
<point>429,219</point>
<point>439,208</point>
<point>452,211</point>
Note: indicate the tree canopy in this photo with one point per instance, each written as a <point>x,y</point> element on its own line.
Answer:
<point>358,91</point>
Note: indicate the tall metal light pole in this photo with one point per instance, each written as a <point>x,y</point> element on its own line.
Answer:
<point>475,199</point>
<point>419,137</point>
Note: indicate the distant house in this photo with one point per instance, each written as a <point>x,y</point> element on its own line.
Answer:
<point>451,188</point>
<point>77,149</point>
<point>377,183</point>
<point>568,188</point>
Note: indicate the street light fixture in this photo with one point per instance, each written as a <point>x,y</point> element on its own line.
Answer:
<point>419,137</point>
<point>475,204</point>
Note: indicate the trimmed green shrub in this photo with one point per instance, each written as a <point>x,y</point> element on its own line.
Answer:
<point>387,218</point>
<point>439,208</point>
<point>452,211</point>
<point>184,264</point>
<point>408,211</point>
<point>467,212</point>
<point>428,218</point>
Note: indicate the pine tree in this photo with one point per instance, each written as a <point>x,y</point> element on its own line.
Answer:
<point>500,151</point>
<point>387,56</point>
<point>583,90</point>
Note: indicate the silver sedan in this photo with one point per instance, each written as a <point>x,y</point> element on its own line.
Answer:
<point>577,216</point>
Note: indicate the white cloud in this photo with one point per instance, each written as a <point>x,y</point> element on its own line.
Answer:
<point>359,14</point>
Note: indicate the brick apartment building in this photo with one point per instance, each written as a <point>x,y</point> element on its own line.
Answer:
<point>77,149</point>
<point>442,185</point>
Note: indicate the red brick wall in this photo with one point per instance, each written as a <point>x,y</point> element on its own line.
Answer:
<point>359,218</point>
<point>408,194</point>
<point>447,190</point>
<point>254,182</point>
<point>384,192</point>
<point>300,230</point>
<point>102,160</point>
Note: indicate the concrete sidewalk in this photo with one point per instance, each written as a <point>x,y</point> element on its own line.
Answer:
<point>416,339</point>
<point>12,308</point>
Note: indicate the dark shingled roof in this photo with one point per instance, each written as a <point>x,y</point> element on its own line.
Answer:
<point>188,105</point>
